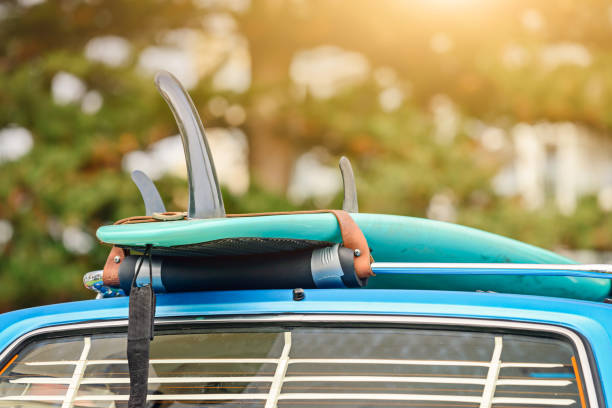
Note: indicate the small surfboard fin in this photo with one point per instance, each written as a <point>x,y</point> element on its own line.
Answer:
<point>152,200</point>
<point>205,200</point>
<point>349,203</point>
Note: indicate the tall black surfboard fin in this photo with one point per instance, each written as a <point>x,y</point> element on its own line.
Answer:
<point>349,203</point>
<point>205,200</point>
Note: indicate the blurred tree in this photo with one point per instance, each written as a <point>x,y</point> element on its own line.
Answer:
<point>501,62</point>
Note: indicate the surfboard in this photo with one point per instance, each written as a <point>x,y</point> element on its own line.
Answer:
<point>391,238</point>
<point>209,233</point>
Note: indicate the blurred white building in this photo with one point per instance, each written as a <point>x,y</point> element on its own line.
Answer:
<point>559,161</point>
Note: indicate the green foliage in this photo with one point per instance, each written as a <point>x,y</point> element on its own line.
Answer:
<point>73,176</point>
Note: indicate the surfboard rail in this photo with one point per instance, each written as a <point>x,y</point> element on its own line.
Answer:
<point>397,240</point>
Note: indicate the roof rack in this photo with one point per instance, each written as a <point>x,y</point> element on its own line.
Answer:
<point>466,269</point>
<point>93,280</point>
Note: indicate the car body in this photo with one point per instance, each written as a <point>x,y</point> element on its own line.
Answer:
<point>588,324</point>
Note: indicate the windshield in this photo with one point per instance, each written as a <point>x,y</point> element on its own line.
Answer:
<point>301,367</point>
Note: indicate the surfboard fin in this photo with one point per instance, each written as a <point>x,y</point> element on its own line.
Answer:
<point>152,200</point>
<point>205,200</point>
<point>349,203</point>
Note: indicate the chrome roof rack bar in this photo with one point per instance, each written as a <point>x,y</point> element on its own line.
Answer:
<point>416,268</point>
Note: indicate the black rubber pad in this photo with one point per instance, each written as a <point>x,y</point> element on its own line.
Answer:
<point>235,246</point>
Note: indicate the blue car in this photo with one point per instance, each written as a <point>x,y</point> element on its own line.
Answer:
<point>335,347</point>
<point>292,310</point>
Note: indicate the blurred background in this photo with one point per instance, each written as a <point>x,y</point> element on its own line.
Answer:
<point>492,114</point>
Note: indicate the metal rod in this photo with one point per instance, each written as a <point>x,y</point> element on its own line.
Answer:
<point>415,268</point>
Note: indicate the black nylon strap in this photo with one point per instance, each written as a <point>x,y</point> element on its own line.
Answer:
<point>140,334</point>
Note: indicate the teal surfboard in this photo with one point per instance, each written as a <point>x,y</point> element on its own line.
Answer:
<point>392,239</point>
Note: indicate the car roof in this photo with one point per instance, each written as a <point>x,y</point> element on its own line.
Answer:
<point>571,313</point>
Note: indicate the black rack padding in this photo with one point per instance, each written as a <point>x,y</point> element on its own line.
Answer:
<point>285,270</point>
<point>236,247</point>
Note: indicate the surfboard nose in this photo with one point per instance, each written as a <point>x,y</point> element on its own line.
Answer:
<point>205,200</point>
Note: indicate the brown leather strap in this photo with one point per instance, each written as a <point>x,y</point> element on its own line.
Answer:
<point>110,275</point>
<point>353,238</point>
<point>166,216</point>
<point>351,234</point>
